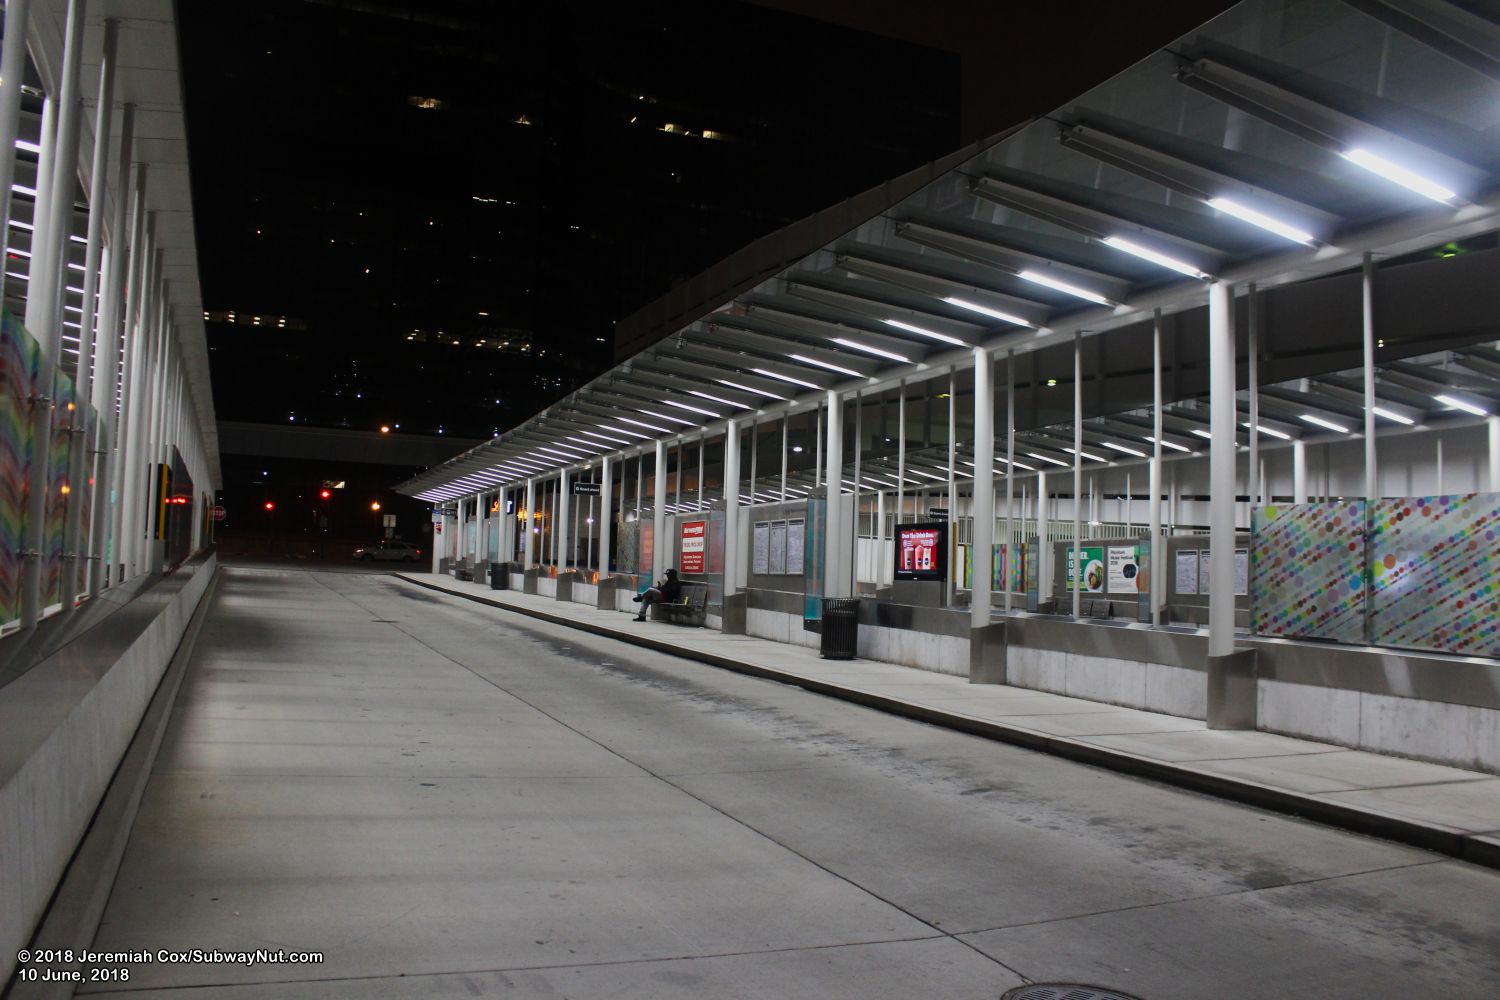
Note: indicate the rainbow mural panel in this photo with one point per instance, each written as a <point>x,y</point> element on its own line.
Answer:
<point>1435,573</point>
<point>19,361</point>
<point>1307,571</point>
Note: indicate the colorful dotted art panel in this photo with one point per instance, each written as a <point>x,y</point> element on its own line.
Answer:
<point>1307,571</point>
<point>1435,573</point>
<point>19,360</point>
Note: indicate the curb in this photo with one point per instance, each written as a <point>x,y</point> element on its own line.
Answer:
<point>1440,839</point>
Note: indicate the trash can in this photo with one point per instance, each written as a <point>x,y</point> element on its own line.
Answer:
<point>840,628</point>
<point>499,576</point>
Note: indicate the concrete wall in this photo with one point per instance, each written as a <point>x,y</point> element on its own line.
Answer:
<point>64,727</point>
<point>1136,668</point>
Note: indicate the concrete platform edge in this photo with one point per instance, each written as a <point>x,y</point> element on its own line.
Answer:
<point>72,918</point>
<point>1433,837</point>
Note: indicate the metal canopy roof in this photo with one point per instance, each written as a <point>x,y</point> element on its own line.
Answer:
<point>1278,142</point>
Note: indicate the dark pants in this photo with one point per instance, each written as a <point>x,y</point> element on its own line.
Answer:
<point>650,597</point>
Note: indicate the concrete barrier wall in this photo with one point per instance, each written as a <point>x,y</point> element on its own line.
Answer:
<point>546,586</point>
<point>64,727</point>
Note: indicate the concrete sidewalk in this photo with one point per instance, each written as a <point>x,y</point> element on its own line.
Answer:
<point>1444,809</point>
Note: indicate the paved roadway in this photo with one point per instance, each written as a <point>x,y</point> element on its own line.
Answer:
<point>450,801</point>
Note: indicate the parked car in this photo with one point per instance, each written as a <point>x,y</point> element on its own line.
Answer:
<point>390,550</point>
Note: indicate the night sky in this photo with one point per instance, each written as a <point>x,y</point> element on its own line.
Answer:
<point>438,210</point>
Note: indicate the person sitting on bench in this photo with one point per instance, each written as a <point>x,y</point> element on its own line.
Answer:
<point>668,591</point>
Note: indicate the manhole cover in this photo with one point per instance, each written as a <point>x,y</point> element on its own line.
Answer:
<point>1064,991</point>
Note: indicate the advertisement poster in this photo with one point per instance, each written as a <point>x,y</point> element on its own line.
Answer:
<point>1123,570</point>
<point>778,547</point>
<point>1093,569</point>
<point>694,548</point>
<point>762,547</point>
<point>920,551</point>
<point>1186,579</point>
<point>795,545</point>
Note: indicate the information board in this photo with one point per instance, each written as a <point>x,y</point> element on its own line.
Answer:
<point>778,547</point>
<point>761,548</point>
<point>1185,581</point>
<point>796,532</point>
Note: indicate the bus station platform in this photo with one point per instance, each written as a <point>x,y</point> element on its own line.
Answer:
<point>1444,809</point>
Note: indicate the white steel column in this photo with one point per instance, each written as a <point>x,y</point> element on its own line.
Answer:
<point>482,539</point>
<point>459,541</point>
<point>75,544</point>
<point>561,541</point>
<point>786,421</point>
<point>982,537</point>
<point>528,541</point>
<point>835,569</point>
<point>950,581</point>
<point>1252,365</point>
<point>1221,382</point>
<point>900,452</point>
<point>1367,298</point>
<point>126,455</point>
<point>12,64</point>
<point>1493,423</point>
<point>606,515</point>
<point>106,543</point>
<point>1156,579</point>
<point>1299,471</point>
<point>732,506</point>
<point>659,514</point>
<point>1044,545</point>
<point>1076,558</point>
<point>1010,475</point>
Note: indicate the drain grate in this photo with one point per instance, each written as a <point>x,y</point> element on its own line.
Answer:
<point>1064,991</point>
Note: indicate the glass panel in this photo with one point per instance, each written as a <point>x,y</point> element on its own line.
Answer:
<point>1307,571</point>
<point>1434,566</point>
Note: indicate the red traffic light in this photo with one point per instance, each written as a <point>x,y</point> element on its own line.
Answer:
<point>325,494</point>
<point>270,505</point>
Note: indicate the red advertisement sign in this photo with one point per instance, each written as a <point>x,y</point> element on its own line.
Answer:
<point>694,539</point>
<point>919,551</point>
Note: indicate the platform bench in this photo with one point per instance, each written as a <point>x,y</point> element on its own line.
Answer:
<point>689,609</point>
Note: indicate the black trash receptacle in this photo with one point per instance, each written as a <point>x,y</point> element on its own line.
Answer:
<point>840,628</point>
<point>499,576</point>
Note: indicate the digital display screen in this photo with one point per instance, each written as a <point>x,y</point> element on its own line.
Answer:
<point>921,551</point>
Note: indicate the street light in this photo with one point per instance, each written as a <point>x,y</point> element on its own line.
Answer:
<point>375,505</point>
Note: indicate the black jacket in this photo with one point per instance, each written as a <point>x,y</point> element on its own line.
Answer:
<point>671,589</point>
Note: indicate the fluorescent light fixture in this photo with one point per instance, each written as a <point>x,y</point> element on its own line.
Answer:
<point>986,311</point>
<point>785,378</point>
<point>14,252</point>
<point>1023,465</point>
<point>824,364</point>
<point>604,437</point>
<point>593,447</point>
<point>1245,214</point>
<point>23,189</point>
<point>746,388</point>
<point>1459,404</point>
<point>1381,411</point>
<point>922,331</point>
<point>1045,458</point>
<point>1267,431</point>
<point>642,423</point>
<point>1146,253</point>
<point>1399,175</point>
<point>879,353</point>
<point>1205,435</point>
<point>668,416</point>
<point>1091,458</point>
<point>1170,444</point>
<point>693,409</point>
<point>623,430</point>
<point>941,479</point>
<point>30,147</point>
<point>1037,277</point>
<point>1320,422</point>
<point>1128,451</point>
<point>718,399</point>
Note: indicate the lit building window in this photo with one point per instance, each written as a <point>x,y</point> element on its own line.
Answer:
<point>425,103</point>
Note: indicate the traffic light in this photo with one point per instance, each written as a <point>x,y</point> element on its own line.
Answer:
<point>270,505</point>
<point>325,494</point>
